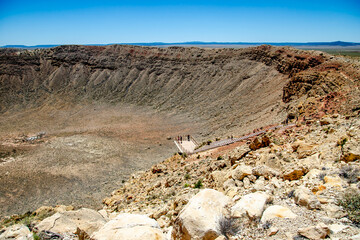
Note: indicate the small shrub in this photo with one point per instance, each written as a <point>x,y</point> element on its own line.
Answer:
<point>220,158</point>
<point>183,155</point>
<point>208,142</point>
<point>198,184</point>
<point>217,139</point>
<point>198,157</point>
<point>291,194</point>
<point>36,237</point>
<point>342,142</point>
<point>350,202</point>
<point>350,173</point>
<point>227,226</point>
<point>187,176</point>
<point>186,185</point>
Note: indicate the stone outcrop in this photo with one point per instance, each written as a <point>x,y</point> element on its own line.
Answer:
<point>87,220</point>
<point>198,219</point>
<point>251,205</point>
<point>241,171</point>
<point>317,232</point>
<point>131,227</point>
<point>277,211</point>
<point>304,197</point>
<point>17,232</point>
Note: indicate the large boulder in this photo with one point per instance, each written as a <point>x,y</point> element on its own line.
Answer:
<point>303,149</point>
<point>251,205</point>
<point>259,142</point>
<point>265,171</point>
<point>293,172</point>
<point>319,231</point>
<point>17,232</point>
<point>277,211</point>
<point>241,171</point>
<point>130,227</point>
<point>219,178</point>
<point>304,197</point>
<point>351,150</point>
<point>84,219</point>
<point>199,218</point>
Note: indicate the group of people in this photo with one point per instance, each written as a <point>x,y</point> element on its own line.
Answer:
<point>180,138</point>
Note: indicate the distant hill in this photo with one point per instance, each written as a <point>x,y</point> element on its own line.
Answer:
<point>211,44</point>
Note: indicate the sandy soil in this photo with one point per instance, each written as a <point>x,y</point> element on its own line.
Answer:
<point>86,153</point>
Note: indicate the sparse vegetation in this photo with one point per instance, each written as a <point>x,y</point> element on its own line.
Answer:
<point>36,237</point>
<point>227,226</point>
<point>208,142</point>
<point>198,184</point>
<point>350,173</point>
<point>342,142</point>
<point>187,176</point>
<point>183,155</point>
<point>350,201</point>
<point>186,185</point>
<point>220,158</point>
<point>291,194</point>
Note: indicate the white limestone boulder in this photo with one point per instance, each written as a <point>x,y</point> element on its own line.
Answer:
<point>199,218</point>
<point>251,205</point>
<point>130,227</point>
<point>277,211</point>
<point>17,232</point>
<point>87,220</point>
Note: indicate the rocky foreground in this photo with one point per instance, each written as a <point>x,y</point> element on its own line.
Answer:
<point>295,183</point>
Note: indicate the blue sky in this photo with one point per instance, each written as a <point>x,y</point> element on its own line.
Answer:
<point>101,22</point>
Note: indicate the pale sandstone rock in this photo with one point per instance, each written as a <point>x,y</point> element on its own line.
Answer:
<point>246,182</point>
<point>218,177</point>
<point>313,174</point>
<point>85,219</point>
<point>229,183</point>
<point>63,208</point>
<point>104,214</point>
<point>303,149</point>
<point>273,231</point>
<point>277,211</point>
<point>130,227</point>
<point>251,205</point>
<point>241,171</point>
<point>333,211</point>
<point>17,232</point>
<point>198,219</point>
<point>221,238</point>
<point>304,197</point>
<point>351,150</point>
<point>336,228</point>
<point>162,211</point>
<point>265,171</point>
<point>231,192</point>
<point>319,231</point>
<point>276,183</point>
<point>259,184</point>
<point>334,181</point>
